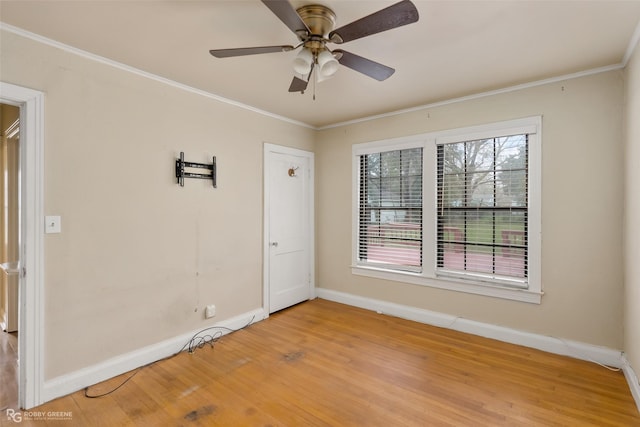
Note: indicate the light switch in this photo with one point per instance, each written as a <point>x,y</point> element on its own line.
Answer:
<point>52,224</point>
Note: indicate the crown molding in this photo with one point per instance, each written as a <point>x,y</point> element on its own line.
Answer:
<point>480,95</point>
<point>115,64</point>
<point>633,42</point>
<point>635,39</point>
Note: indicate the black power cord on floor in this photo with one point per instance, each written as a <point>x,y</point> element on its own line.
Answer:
<point>197,341</point>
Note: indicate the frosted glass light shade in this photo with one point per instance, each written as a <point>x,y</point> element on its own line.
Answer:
<point>302,63</point>
<point>327,64</point>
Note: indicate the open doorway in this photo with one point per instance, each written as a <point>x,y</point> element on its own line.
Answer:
<point>9,252</point>
<point>29,269</point>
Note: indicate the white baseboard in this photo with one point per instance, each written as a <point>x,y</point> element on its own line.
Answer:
<point>578,350</point>
<point>77,380</point>
<point>632,380</point>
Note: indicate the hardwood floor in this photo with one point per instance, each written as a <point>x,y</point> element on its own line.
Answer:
<point>325,364</point>
<point>8,371</point>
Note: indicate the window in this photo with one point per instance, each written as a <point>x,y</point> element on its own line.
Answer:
<point>482,208</point>
<point>390,210</point>
<point>457,209</point>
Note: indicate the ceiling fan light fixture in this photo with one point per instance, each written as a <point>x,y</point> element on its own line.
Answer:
<point>313,25</point>
<point>303,62</point>
<point>327,64</point>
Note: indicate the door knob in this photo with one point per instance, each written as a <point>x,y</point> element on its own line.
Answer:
<point>274,244</point>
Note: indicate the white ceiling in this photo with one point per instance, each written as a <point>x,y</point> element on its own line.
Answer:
<point>457,48</point>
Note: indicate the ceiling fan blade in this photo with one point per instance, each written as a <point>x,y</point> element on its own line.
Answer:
<point>363,65</point>
<point>300,81</point>
<point>394,16</point>
<point>287,14</point>
<point>242,51</point>
<point>298,85</point>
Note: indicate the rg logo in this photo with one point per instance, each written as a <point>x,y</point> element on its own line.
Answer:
<point>13,415</point>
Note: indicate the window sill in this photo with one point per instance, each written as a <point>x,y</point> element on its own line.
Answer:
<point>458,285</point>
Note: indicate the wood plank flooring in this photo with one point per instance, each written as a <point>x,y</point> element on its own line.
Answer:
<point>8,371</point>
<point>325,364</point>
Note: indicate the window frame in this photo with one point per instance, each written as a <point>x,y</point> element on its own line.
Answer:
<point>429,276</point>
<point>466,211</point>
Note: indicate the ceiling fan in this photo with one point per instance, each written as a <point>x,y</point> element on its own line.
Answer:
<point>313,25</point>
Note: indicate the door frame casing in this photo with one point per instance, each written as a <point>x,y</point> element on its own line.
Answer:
<point>31,277</point>
<point>268,150</point>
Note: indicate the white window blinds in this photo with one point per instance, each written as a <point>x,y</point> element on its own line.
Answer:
<point>482,209</point>
<point>390,209</point>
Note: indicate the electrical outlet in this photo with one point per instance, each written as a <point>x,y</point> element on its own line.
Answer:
<point>210,311</point>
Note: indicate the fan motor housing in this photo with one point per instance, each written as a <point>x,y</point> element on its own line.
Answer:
<point>319,19</point>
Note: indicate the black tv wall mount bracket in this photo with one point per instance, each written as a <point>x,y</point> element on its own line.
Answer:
<point>181,174</point>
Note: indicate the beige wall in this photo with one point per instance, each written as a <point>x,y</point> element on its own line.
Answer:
<point>139,257</point>
<point>632,213</point>
<point>582,201</point>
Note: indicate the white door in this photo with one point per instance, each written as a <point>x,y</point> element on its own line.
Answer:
<point>288,227</point>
